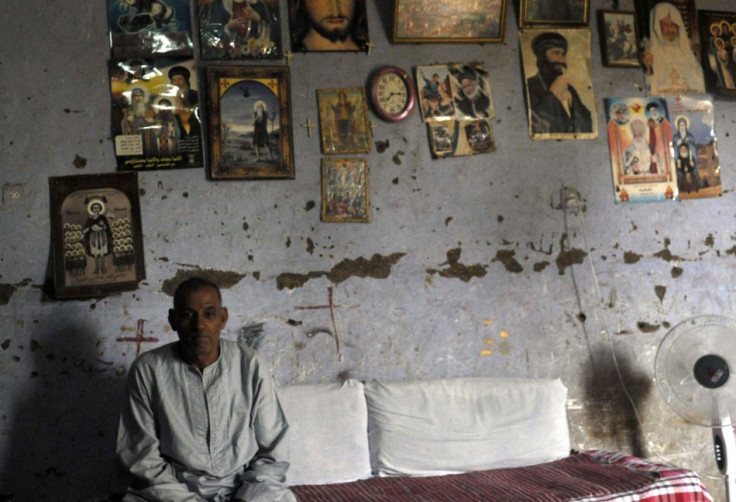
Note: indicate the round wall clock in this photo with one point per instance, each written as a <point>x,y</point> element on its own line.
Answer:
<point>392,93</point>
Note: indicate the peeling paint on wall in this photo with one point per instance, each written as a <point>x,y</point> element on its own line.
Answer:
<point>507,257</point>
<point>378,267</point>
<point>456,270</point>
<point>222,278</point>
<point>568,258</point>
<point>660,291</point>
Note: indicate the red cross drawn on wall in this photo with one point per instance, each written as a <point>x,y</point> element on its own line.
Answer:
<point>139,338</point>
<point>332,306</point>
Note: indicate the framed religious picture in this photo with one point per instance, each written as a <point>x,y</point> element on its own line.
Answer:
<point>239,29</point>
<point>695,154</point>
<point>343,120</point>
<point>155,114</point>
<point>456,104</point>
<point>670,46</point>
<point>619,39</point>
<point>558,13</point>
<point>427,21</point>
<point>559,83</point>
<point>96,237</point>
<point>326,25</point>
<point>140,28</point>
<point>718,33</point>
<point>250,122</point>
<point>345,190</point>
<point>639,140</point>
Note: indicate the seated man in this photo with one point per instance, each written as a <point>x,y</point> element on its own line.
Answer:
<point>201,420</point>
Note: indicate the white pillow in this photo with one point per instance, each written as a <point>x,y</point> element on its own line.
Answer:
<point>467,424</point>
<point>327,438</point>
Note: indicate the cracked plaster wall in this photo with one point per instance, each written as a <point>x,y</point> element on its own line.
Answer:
<point>470,266</point>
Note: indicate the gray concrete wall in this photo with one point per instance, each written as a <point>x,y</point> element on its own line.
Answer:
<point>470,266</point>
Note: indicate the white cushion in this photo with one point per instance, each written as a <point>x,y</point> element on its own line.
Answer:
<point>327,438</point>
<point>467,424</point>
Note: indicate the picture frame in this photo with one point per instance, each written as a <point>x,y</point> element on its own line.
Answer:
<point>250,124</point>
<point>96,237</point>
<point>314,28</point>
<point>345,190</point>
<point>619,38</point>
<point>343,120</point>
<point>557,13</point>
<point>719,67</point>
<point>425,21</point>
<point>547,116</point>
<point>256,34</point>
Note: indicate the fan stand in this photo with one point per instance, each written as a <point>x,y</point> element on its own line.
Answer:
<point>724,445</point>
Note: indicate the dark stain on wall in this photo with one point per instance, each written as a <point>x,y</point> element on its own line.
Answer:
<point>7,290</point>
<point>607,409</point>
<point>676,272</point>
<point>456,270</point>
<point>539,266</point>
<point>567,258</point>
<point>310,205</point>
<point>631,257</point>
<point>378,267</point>
<point>666,254</point>
<point>222,278</point>
<point>79,162</point>
<point>251,335</point>
<point>645,327</point>
<point>507,257</point>
<point>660,291</point>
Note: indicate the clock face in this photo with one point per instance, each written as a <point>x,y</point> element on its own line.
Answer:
<point>392,94</point>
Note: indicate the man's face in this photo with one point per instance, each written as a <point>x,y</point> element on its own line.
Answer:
<point>179,81</point>
<point>469,86</point>
<point>683,128</point>
<point>653,113</point>
<point>554,62</point>
<point>669,29</point>
<point>198,320</point>
<point>331,18</point>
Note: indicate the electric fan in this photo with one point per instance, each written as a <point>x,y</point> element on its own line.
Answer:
<point>692,369</point>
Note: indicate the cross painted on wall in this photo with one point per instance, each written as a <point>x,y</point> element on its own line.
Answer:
<point>331,306</point>
<point>139,338</point>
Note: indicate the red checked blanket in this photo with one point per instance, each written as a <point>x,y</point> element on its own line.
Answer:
<point>590,476</point>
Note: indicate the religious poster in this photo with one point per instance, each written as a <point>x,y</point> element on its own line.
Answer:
<point>96,234</point>
<point>149,28</point>
<point>239,29</point>
<point>640,143</point>
<point>694,146</point>
<point>718,33</point>
<point>559,83</point>
<point>155,114</point>
<point>456,104</point>
<point>670,47</point>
